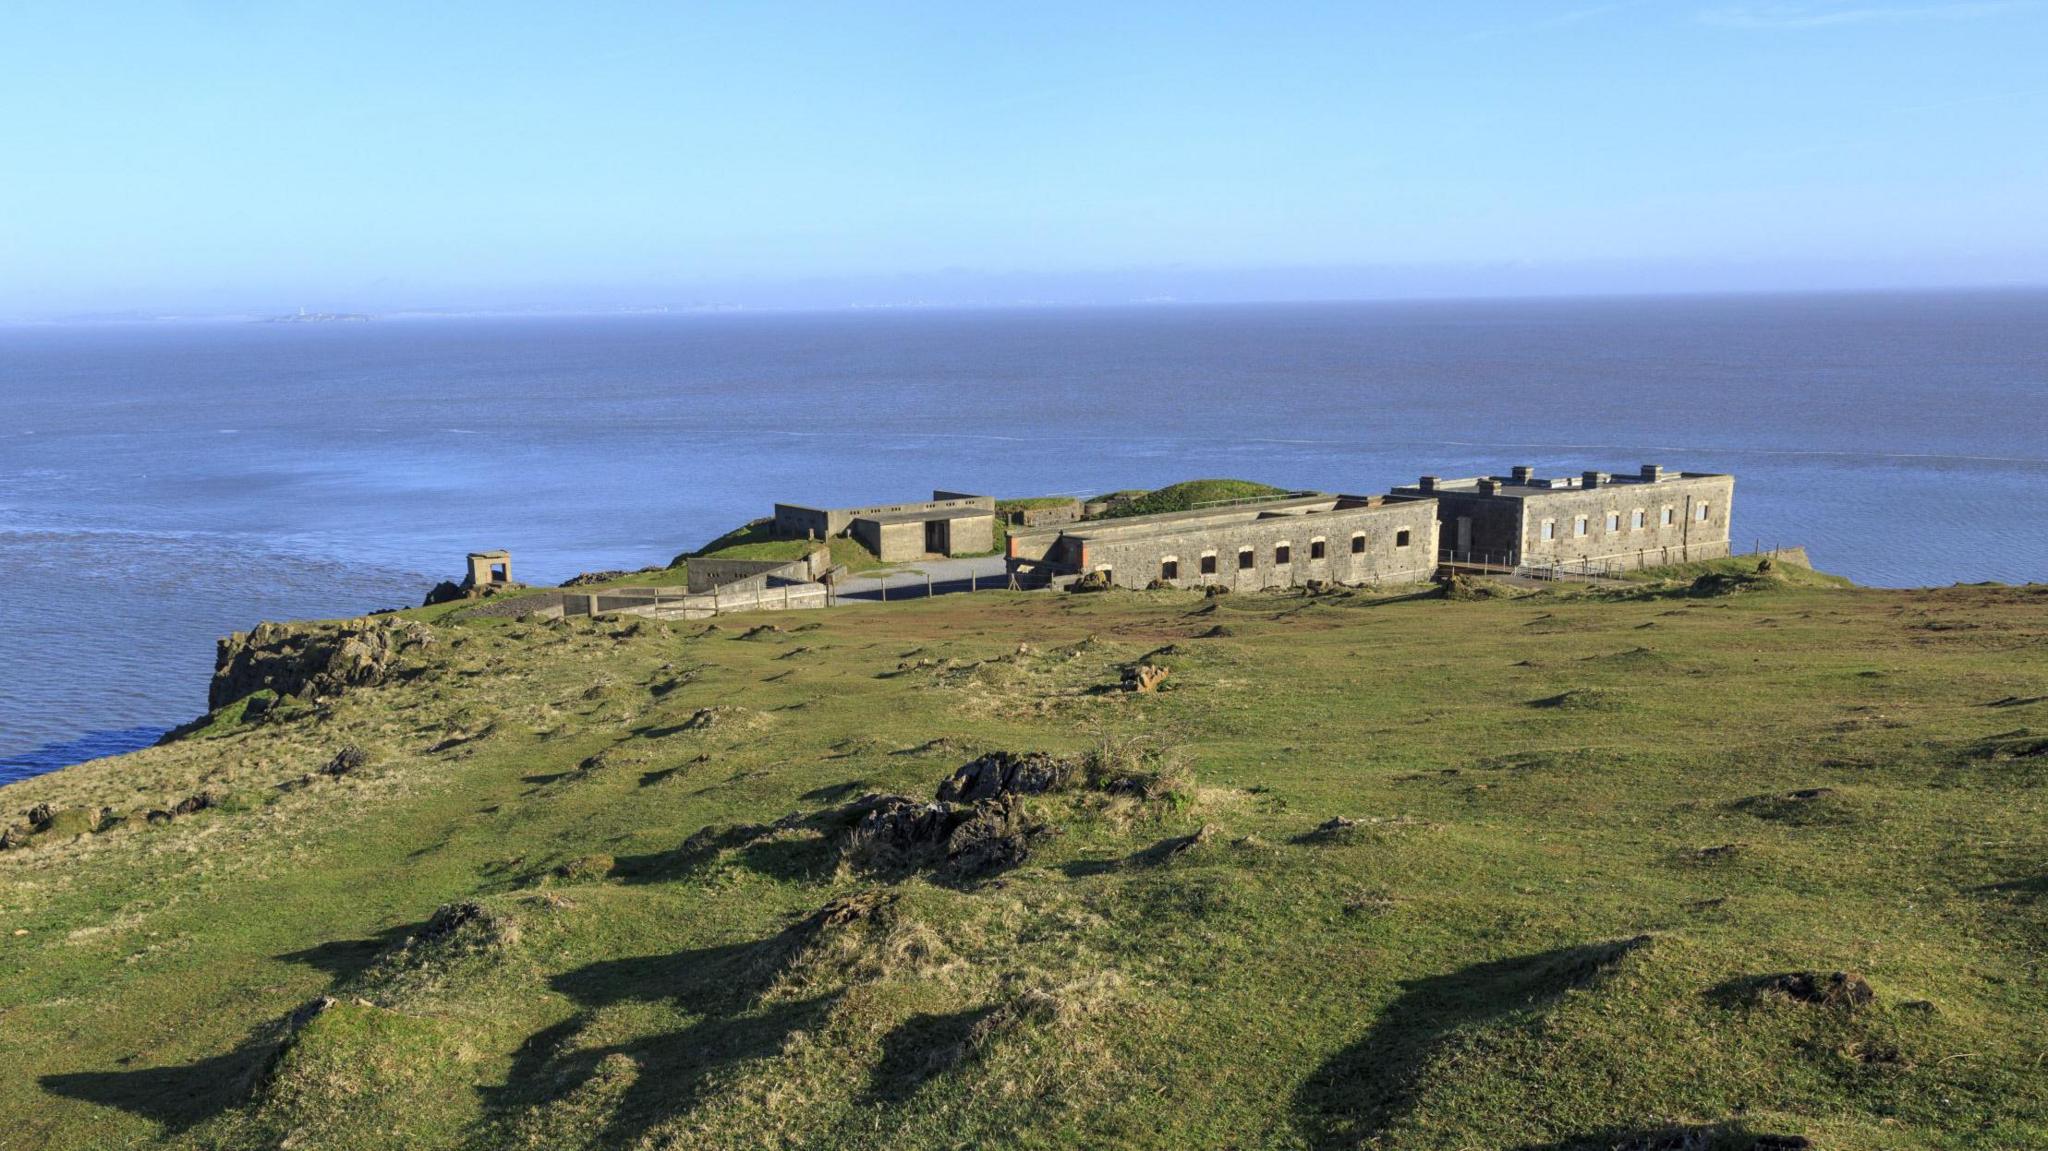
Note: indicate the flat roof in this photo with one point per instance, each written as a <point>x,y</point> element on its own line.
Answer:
<point>1308,507</point>
<point>925,515</point>
<point>1509,487</point>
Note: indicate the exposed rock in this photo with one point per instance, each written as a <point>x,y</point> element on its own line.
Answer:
<point>900,832</point>
<point>346,760</point>
<point>1144,678</point>
<point>315,659</point>
<point>997,836</point>
<point>195,803</point>
<point>1005,773</point>
<point>12,838</point>
<point>1844,989</point>
<point>1093,581</point>
<point>447,591</point>
<point>158,817</point>
<point>1215,589</point>
<point>587,578</point>
<point>40,815</point>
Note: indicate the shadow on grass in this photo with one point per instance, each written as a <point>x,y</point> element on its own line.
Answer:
<point>919,1049</point>
<point>344,959</point>
<point>1690,1137</point>
<point>722,986</point>
<point>1357,1093</point>
<point>178,1096</point>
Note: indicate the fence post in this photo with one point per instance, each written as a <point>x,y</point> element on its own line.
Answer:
<point>927,585</point>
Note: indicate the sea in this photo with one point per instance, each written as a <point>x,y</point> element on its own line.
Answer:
<point>163,484</point>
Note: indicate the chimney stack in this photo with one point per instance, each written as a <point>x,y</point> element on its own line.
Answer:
<point>1428,483</point>
<point>1653,472</point>
<point>1488,486</point>
<point>1592,479</point>
<point>1523,473</point>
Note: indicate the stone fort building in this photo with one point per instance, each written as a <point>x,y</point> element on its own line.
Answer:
<point>1593,519</point>
<point>1280,542</point>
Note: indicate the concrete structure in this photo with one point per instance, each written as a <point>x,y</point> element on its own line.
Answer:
<point>950,523</point>
<point>487,569</point>
<point>1045,516</point>
<point>725,574</point>
<point>1593,520</point>
<point>1275,543</point>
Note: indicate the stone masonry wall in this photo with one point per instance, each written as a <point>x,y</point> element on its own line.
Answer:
<point>1687,537</point>
<point>1136,562</point>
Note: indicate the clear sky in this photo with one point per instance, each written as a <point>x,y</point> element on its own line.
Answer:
<point>366,156</point>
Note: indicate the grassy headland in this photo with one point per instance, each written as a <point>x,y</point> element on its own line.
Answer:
<point>1371,870</point>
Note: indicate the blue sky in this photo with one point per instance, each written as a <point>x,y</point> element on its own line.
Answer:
<point>227,155</point>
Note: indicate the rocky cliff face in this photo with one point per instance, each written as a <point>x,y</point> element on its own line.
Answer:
<point>316,659</point>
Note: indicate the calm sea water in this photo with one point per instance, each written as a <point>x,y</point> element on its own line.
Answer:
<point>163,485</point>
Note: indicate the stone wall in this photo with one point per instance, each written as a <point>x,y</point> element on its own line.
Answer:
<point>1045,517</point>
<point>1686,537</point>
<point>1136,555</point>
<point>705,574</point>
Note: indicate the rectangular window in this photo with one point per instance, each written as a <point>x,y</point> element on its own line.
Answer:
<point>1282,554</point>
<point>1579,526</point>
<point>1703,511</point>
<point>1245,562</point>
<point>1169,569</point>
<point>1550,529</point>
<point>1670,517</point>
<point>1614,521</point>
<point>1637,520</point>
<point>1358,544</point>
<point>1401,538</point>
<point>1316,549</point>
<point>1209,564</point>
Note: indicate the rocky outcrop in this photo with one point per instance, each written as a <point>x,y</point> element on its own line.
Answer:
<point>1006,773</point>
<point>314,659</point>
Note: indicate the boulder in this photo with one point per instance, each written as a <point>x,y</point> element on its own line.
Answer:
<point>1093,581</point>
<point>1005,773</point>
<point>1144,678</point>
<point>996,837</point>
<point>346,760</point>
<point>900,832</point>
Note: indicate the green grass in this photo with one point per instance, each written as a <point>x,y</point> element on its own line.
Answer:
<point>1589,825</point>
<point>1189,494</point>
<point>756,541</point>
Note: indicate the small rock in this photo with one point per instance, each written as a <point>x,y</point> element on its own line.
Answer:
<point>1844,989</point>
<point>346,760</point>
<point>195,803</point>
<point>1145,678</point>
